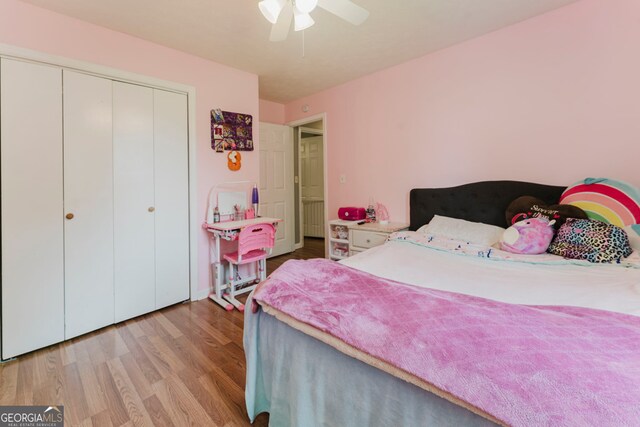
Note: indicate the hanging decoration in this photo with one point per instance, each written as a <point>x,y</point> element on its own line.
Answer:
<point>234,161</point>
<point>231,131</point>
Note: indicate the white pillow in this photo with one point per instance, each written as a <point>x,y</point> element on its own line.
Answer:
<point>633,231</point>
<point>459,229</point>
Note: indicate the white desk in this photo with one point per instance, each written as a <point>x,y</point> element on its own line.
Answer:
<point>229,231</point>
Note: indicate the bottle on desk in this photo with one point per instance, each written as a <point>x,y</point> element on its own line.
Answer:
<point>255,200</point>
<point>216,215</point>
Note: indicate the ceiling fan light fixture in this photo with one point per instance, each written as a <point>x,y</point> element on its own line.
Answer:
<point>306,6</point>
<point>271,9</point>
<point>301,20</point>
<point>281,12</point>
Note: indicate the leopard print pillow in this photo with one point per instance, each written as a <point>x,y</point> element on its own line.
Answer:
<point>591,240</point>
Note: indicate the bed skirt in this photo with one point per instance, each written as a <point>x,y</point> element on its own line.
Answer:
<point>301,381</point>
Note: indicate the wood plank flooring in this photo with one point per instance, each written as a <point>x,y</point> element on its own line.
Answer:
<point>313,248</point>
<point>180,366</point>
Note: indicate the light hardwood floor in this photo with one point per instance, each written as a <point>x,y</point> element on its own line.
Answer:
<point>180,366</point>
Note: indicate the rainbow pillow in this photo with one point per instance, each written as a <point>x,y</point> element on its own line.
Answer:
<point>606,200</point>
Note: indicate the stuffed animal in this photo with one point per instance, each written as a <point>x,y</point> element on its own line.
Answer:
<point>530,207</point>
<point>530,236</point>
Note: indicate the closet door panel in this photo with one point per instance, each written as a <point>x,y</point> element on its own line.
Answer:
<point>134,207</point>
<point>88,187</point>
<point>32,210</point>
<point>172,198</point>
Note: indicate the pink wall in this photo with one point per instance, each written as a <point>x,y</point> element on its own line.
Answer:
<point>552,99</point>
<point>271,112</point>
<point>216,85</point>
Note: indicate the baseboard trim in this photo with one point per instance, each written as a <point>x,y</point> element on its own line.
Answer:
<point>200,294</point>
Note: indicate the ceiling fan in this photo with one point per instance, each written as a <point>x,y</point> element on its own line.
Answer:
<point>281,12</point>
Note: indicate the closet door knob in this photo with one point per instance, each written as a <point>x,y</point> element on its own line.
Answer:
<point>151,209</point>
<point>69,216</point>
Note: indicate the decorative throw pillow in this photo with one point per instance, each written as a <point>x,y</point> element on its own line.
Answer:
<point>591,240</point>
<point>633,232</point>
<point>530,236</point>
<point>605,199</point>
<point>530,207</point>
<point>459,229</point>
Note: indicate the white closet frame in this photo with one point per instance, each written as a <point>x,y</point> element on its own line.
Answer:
<point>13,52</point>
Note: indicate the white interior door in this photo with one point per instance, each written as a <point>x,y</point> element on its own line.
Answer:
<point>171,198</point>
<point>312,185</point>
<point>312,168</point>
<point>32,210</point>
<point>88,200</point>
<point>276,182</point>
<point>134,204</point>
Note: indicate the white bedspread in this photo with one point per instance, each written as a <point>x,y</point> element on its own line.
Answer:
<point>606,287</point>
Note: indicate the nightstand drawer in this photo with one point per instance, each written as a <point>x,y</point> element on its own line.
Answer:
<point>367,239</point>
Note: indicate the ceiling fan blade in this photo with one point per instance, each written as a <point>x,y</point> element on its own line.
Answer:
<point>280,29</point>
<point>346,10</point>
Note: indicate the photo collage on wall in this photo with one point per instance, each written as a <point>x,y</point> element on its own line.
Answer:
<point>231,131</point>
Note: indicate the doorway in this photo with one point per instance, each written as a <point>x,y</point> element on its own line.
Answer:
<point>293,168</point>
<point>309,179</point>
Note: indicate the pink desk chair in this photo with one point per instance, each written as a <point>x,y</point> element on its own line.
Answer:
<point>255,243</point>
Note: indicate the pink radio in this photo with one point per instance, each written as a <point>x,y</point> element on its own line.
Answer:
<point>352,214</point>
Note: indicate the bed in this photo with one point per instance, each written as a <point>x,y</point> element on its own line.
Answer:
<point>304,378</point>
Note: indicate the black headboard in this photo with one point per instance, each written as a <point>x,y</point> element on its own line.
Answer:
<point>479,201</point>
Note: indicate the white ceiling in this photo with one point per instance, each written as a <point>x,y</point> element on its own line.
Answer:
<point>233,32</point>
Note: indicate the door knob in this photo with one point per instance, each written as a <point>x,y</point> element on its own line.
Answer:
<point>69,216</point>
<point>151,209</point>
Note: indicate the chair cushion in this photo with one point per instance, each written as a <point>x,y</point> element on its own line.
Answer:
<point>251,256</point>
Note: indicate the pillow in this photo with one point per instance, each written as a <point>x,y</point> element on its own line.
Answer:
<point>530,236</point>
<point>459,229</point>
<point>591,240</point>
<point>608,200</point>
<point>529,207</point>
<point>423,229</point>
<point>633,232</point>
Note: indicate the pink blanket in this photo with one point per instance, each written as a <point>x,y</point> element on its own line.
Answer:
<point>523,365</point>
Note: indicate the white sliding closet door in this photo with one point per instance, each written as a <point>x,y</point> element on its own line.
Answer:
<point>172,198</point>
<point>134,205</point>
<point>88,200</point>
<point>32,211</point>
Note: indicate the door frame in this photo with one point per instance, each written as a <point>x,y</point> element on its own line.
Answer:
<point>325,151</point>
<point>318,132</point>
<point>22,54</point>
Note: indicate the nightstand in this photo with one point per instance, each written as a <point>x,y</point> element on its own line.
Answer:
<point>339,239</point>
<point>366,236</point>
<point>347,238</point>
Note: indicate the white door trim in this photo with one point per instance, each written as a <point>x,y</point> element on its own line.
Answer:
<point>325,152</point>
<point>312,131</point>
<point>298,184</point>
<point>13,52</point>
